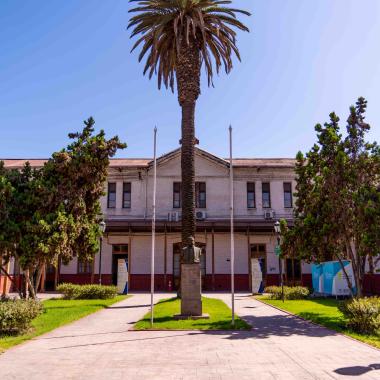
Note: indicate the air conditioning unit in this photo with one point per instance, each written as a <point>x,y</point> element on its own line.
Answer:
<point>200,215</point>
<point>269,215</point>
<point>174,216</point>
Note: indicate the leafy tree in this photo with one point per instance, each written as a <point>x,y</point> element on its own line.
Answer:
<point>337,213</point>
<point>179,37</point>
<point>53,212</point>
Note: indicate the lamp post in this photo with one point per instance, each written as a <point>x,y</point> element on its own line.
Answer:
<point>102,226</point>
<point>277,230</point>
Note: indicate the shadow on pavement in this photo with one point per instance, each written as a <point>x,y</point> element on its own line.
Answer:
<point>278,325</point>
<point>357,370</point>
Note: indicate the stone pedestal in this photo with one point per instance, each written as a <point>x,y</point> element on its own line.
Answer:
<point>191,302</point>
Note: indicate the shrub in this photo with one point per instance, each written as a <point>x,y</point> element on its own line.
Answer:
<point>86,292</point>
<point>363,314</point>
<point>16,315</point>
<point>290,292</point>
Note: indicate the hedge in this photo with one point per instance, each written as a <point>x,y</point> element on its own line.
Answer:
<point>290,292</point>
<point>16,315</point>
<point>363,314</point>
<point>86,292</point>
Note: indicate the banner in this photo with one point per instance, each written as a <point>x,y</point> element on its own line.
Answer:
<point>329,279</point>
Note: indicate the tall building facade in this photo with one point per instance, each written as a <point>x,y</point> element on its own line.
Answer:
<point>263,194</point>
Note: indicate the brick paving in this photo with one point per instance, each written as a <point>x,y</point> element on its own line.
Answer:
<point>278,347</point>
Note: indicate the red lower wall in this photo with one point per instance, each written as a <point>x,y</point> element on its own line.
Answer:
<point>218,282</point>
<point>371,284</point>
<point>85,278</point>
<point>141,282</point>
<point>274,280</point>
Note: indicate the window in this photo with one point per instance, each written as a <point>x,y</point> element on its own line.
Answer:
<point>293,270</point>
<point>177,195</point>
<point>111,200</point>
<point>266,194</point>
<point>200,194</point>
<point>258,250</point>
<point>120,248</point>
<point>84,267</point>
<point>288,199</point>
<point>251,198</point>
<point>126,195</point>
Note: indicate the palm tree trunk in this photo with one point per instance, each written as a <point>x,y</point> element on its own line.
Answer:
<point>188,172</point>
<point>188,83</point>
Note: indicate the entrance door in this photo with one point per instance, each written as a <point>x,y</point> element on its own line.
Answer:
<point>258,267</point>
<point>120,275</point>
<point>293,272</point>
<point>177,247</point>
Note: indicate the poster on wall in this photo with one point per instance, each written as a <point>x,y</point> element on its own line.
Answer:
<point>122,276</point>
<point>257,276</point>
<point>334,279</point>
<point>329,278</point>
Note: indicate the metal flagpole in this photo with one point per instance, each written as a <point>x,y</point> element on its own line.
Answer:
<point>153,228</point>
<point>232,232</point>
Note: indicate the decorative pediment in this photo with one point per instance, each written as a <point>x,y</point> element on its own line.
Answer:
<point>199,153</point>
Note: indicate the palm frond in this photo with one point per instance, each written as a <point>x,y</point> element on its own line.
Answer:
<point>162,25</point>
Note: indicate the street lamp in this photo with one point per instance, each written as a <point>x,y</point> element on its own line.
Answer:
<point>277,230</point>
<point>102,226</point>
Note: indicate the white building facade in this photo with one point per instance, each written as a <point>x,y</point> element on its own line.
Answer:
<point>263,194</point>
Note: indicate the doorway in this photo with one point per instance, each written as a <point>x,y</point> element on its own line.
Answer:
<point>258,267</point>
<point>120,268</point>
<point>177,248</point>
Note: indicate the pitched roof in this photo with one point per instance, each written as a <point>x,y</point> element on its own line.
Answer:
<point>146,162</point>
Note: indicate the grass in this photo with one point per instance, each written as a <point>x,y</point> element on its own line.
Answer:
<point>220,317</point>
<point>57,312</point>
<point>323,311</point>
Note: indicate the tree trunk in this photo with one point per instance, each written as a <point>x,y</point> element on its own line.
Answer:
<point>371,265</point>
<point>188,173</point>
<point>38,278</point>
<point>349,283</point>
<point>188,84</point>
<point>29,284</point>
<point>356,268</point>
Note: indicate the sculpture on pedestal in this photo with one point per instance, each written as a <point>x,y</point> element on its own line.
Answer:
<point>191,254</point>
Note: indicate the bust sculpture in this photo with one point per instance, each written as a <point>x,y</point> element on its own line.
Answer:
<point>191,254</point>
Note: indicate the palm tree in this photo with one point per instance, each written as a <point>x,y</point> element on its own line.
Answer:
<point>179,37</point>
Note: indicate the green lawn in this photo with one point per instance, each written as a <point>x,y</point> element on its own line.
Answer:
<point>322,311</point>
<point>220,317</point>
<point>57,312</point>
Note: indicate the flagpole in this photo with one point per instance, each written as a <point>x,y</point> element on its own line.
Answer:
<point>153,227</point>
<point>232,232</point>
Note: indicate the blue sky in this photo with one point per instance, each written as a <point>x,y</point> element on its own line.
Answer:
<point>63,61</point>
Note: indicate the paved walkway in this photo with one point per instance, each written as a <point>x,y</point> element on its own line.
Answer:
<point>101,347</point>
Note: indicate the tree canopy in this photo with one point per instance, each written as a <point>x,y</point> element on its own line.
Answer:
<point>337,213</point>
<point>165,25</point>
<point>52,213</point>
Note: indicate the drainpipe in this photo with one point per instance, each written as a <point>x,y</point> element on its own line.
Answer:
<point>146,193</point>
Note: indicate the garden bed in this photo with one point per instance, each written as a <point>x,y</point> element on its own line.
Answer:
<point>164,311</point>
